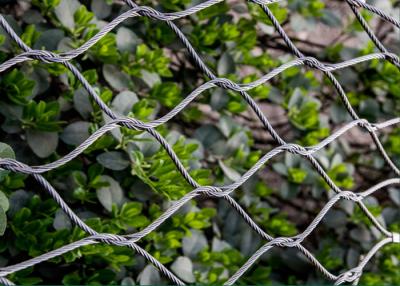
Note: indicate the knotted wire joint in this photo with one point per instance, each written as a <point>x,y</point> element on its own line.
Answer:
<point>393,58</point>
<point>349,276</point>
<point>295,149</point>
<point>370,127</point>
<point>285,241</point>
<point>45,56</point>
<point>314,63</point>
<point>112,239</point>
<point>348,195</point>
<point>211,191</point>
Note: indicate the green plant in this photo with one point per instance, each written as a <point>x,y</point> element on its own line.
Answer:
<point>125,180</point>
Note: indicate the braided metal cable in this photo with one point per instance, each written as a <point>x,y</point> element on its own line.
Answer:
<point>223,192</point>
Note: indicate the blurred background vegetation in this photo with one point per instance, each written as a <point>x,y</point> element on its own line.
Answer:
<point>125,180</point>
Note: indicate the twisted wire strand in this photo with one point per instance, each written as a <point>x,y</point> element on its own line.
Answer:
<point>292,241</point>
<point>136,124</point>
<point>223,192</point>
<point>316,64</point>
<point>211,191</point>
<point>394,59</point>
<point>280,241</point>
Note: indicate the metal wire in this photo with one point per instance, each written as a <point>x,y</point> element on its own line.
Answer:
<point>223,192</point>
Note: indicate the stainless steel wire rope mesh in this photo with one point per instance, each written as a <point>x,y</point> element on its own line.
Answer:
<point>224,192</point>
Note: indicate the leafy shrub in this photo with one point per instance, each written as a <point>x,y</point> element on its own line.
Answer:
<point>125,180</point>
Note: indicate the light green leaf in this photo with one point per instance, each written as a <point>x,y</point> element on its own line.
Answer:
<point>194,243</point>
<point>65,12</point>
<point>76,133</point>
<point>116,79</point>
<point>3,221</point>
<point>226,64</point>
<point>43,144</point>
<point>4,204</point>
<point>82,103</point>
<point>127,281</point>
<point>61,220</point>
<point>100,8</point>
<point>149,276</point>
<point>49,39</point>
<point>229,172</point>
<point>6,151</point>
<point>111,194</point>
<point>183,268</point>
<point>127,40</point>
<point>124,102</point>
<point>113,160</point>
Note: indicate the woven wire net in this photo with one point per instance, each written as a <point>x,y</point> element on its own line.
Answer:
<point>224,192</point>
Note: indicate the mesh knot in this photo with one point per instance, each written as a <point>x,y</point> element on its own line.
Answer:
<point>295,149</point>
<point>211,191</point>
<point>150,12</point>
<point>287,241</point>
<point>392,58</point>
<point>314,63</point>
<point>133,123</point>
<point>349,276</point>
<point>347,195</point>
<point>112,239</point>
<point>367,125</point>
<point>228,84</point>
<point>45,56</point>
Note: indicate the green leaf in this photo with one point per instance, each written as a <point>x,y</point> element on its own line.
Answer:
<point>149,276</point>
<point>4,204</point>
<point>127,281</point>
<point>49,39</point>
<point>61,220</point>
<point>167,93</point>
<point>303,111</point>
<point>131,209</point>
<point>3,221</point>
<point>100,8</point>
<point>45,5</point>
<point>82,103</point>
<point>183,268</point>
<point>65,12</point>
<point>124,102</point>
<point>232,174</point>
<point>17,87</point>
<point>296,175</point>
<point>41,116</point>
<point>226,64</point>
<point>76,133</point>
<point>43,144</point>
<point>112,194</point>
<point>194,243</point>
<point>115,78</point>
<point>127,40</point>
<point>6,151</point>
<point>82,16</point>
<point>113,160</point>
<point>394,195</point>
<point>30,35</point>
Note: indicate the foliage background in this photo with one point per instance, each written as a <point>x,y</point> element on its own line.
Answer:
<point>125,180</point>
